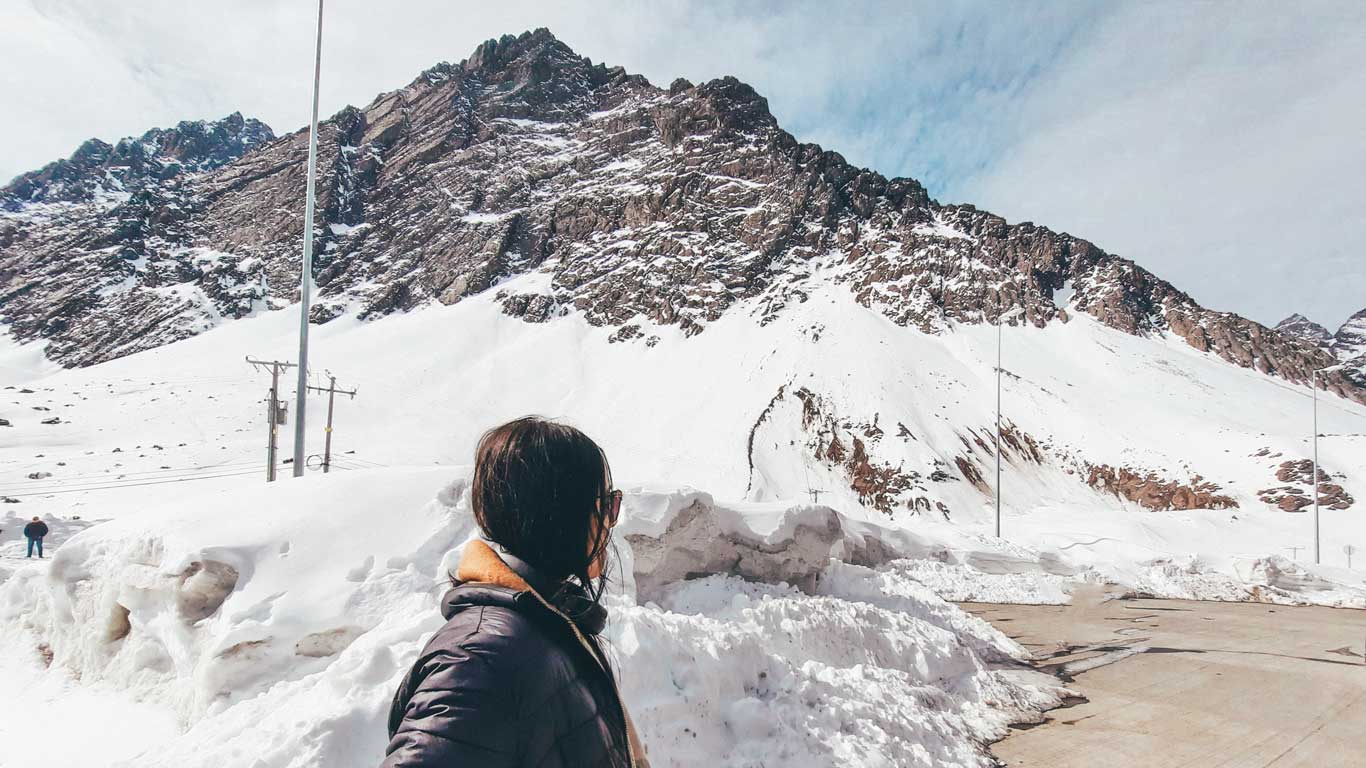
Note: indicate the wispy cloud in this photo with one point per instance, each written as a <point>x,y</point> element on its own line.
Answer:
<point>1216,144</point>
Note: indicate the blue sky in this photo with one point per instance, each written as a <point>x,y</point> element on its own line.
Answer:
<point>1217,144</point>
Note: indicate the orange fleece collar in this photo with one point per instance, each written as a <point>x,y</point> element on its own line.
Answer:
<point>480,564</point>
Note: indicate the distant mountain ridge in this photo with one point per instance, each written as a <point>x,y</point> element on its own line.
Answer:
<point>1301,327</point>
<point>1347,345</point>
<point>157,156</point>
<point>641,206</point>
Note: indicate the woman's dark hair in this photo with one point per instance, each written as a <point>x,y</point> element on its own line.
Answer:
<point>536,491</point>
<point>541,492</point>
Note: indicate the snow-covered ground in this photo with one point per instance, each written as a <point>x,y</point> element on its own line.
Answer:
<point>156,462</point>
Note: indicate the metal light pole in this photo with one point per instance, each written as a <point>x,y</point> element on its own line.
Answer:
<point>1314,384</point>
<point>1000,317</point>
<point>998,425</point>
<point>306,269</point>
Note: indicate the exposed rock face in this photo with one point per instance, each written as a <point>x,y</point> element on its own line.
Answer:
<point>840,443</point>
<point>674,205</point>
<point>94,250</point>
<point>1293,498</point>
<point>1300,327</point>
<point>1152,491</point>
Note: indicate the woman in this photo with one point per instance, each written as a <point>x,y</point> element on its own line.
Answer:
<point>517,677</point>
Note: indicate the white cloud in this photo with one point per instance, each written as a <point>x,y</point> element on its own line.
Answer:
<point>891,85</point>
<point>1166,133</point>
<point>1218,145</point>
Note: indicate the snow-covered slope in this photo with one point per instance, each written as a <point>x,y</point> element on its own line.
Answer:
<point>1106,434</point>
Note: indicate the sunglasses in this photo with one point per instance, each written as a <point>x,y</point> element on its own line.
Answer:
<point>611,502</point>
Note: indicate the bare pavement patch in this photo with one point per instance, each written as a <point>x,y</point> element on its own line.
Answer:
<point>1182,683</point>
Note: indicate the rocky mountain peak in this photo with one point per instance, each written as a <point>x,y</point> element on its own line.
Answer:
<point>736,105</point>
<point>203,145</point>
<point>156,156</point>
<point>537,47</point>
<point>534,75</point>
<point>1300,327</point>
<point>1349,343</point>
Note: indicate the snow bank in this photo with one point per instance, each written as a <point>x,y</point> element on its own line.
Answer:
<point>963,583</point>
<point>1265,580</point>
<point>274,624</point>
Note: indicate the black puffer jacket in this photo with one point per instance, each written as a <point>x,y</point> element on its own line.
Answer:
<point>506,683</point>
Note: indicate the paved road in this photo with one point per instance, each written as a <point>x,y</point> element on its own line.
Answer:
<point>1173,684</point>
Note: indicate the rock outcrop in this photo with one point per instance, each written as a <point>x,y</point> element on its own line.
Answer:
<point>1299,473</point>
<point>1152,491</point>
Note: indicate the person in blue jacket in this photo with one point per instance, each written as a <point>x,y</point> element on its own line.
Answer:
<point>34,532</point>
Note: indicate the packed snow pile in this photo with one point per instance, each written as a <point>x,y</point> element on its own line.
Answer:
<point>1271,579</point>
<point>274,623</point>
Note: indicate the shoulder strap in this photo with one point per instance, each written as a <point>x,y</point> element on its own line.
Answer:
<point>636,748</point>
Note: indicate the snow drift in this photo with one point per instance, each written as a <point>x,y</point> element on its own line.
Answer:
<point>274,625</point>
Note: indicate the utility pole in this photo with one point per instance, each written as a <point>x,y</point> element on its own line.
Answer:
<point>306,269</point>
<point>1295,553</point>
<point>273,414</point>
<point>331,391</point>
<point>1349,550</point>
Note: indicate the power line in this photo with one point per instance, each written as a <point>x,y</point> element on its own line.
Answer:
<point>93,480</point>
<point>134,485</point>
<point>354,458</point>
<point>194,468</point>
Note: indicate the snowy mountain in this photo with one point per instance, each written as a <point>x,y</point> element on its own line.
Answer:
<point>1348,345</point>
<point>136,164</point>
<point>1303,328</point>
<point>640,205</point>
